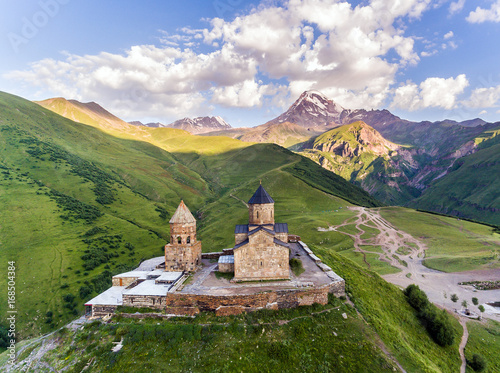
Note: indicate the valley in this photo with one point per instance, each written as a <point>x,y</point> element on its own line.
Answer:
<point>92,199</point>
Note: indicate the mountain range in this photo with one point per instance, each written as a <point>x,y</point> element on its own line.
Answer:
<point>195,126</point>
<point>399,162</point>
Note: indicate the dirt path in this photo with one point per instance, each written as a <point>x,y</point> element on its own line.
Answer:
<point>406,253</point>
<point>463,343</point>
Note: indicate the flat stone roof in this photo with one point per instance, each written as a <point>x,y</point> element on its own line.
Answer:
<point>169,276</point>
<point>138,274</point>
<point>148,287</point>
<point>111,297</point>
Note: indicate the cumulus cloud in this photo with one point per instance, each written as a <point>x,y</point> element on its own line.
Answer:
<point>328,45</point>
<point>456,6</point>
<point>484,97</point>
<point>481,15</point>
<point>432,92</point>
<point>448,35</point>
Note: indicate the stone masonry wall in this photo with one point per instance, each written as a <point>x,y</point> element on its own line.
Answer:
<point>183,257</point>
<point>261,259</point>
<point>150,301</point>
<point>191,304</point>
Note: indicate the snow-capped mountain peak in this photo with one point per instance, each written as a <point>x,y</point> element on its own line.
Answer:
<point>312,109</point>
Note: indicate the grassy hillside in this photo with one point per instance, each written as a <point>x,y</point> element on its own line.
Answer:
<point>82,204</point>
<point>306,339</point>
<point>484,339</point>
<point>471,187</point>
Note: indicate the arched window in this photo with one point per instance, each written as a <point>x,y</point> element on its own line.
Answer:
<point>179,239</point>
<point>188,240</point>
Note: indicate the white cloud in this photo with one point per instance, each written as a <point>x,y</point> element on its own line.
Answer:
<point>428,54</point>
<point>432,92</point>
<point>328,45</point>
<point>483,112</point>
<point>481,15</point>
<point>484,98</point>
<point>448,35</point>
<point>456,6</point>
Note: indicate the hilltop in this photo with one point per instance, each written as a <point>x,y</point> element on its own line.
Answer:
<point>97,204</point>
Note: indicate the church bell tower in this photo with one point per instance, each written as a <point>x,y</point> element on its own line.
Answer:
<point>183,253</point>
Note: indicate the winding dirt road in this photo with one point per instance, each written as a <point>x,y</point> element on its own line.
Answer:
<point>406,253</point>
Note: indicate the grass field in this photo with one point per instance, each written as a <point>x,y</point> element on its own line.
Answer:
<point>453,244</point>
<point>484,339</point>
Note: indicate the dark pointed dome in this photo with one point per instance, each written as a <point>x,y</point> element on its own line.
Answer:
<point>260,197</point>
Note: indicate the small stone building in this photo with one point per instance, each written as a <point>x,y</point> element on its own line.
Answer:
<point>261,251</point>
<point>183,253</point>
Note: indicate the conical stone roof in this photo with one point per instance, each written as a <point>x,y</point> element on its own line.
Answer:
<point>182,215</point>
<point>260,197</point>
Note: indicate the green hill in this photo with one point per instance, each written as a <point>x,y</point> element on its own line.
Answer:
<point>83,204</point>
<point>470,189</point>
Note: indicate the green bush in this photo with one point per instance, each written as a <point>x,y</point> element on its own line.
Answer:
<point>477,363</point>
<point>436,322</point>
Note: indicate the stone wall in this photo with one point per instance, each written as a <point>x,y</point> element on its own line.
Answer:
<point>261,213</point>
<point>261,259</point>
<point>150,301</point>
<point>182,257</point>
<point>101,311</point>
<point>226,267</point>
<point>213,255</point>
<point>123,281</point>
<point>192,304</point>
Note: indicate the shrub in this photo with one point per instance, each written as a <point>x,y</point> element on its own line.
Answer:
<point>454,298</point>
<point>84,292</point>
<point>416,297</point>
<point>477,363</point>
<point>436,322</point>
<point>296,266</point>
<point>475,301</point>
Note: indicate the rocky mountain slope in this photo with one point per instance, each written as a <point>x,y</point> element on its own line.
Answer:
<point>358,153</point>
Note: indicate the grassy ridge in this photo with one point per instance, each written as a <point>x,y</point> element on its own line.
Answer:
<point>60,180</point>
<point>384,307</point>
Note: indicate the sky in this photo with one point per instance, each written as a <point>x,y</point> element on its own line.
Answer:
<point>248,61</point>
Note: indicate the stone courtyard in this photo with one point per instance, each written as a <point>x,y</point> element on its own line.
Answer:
<point>205,281</point>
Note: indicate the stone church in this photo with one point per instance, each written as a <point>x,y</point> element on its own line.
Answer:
<point>261,251</point>
<point>183,253</point>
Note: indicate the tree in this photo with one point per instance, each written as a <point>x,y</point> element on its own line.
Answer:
<point>481,308</point>
<point>464,303</point>
<point>454,298</point>
<point>475,301</point>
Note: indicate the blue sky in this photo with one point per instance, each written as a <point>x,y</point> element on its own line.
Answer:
<point>247,61</point>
